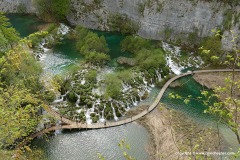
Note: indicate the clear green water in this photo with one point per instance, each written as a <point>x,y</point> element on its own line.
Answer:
<point>195,109</point>
<point>24,24</point>
<point>113,40</point>
<point>61,57</point>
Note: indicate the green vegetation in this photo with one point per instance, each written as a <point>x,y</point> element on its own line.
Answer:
<point>148,59</point>
<point>146,53</point>
<point>22,95</point>
<point>93,47</point>
<point>53,10</point>
<point>134,44</point>
<point>212,52</point>
<point>122,23</point>
<point>8,35</point>
<point>113,86</point>
<point>97,58</point>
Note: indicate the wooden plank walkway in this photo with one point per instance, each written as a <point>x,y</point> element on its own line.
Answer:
<point>75,125</point>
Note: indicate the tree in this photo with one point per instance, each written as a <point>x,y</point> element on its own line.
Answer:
<point>19,114</point>
<point>8,35</point>
<point>53,10</point>
<point>91,42</point>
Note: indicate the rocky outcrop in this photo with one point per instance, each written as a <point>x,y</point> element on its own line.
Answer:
<point>177,20</point>
<point>127,61</point>
<point>16,6</point>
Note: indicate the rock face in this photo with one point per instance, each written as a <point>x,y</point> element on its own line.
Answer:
<point>178,20</point>
<point>15,6</point>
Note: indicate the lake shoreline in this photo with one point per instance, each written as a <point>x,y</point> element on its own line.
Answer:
<point>174,128</point>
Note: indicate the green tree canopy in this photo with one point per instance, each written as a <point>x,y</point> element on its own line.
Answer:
<point>134,44</point>
<point>147,59</point>
<point>8,35</point>
<point>113,86</point>
<point>97,58</point>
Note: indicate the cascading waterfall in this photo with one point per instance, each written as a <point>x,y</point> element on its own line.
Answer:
<point>114,113</point>
<point>78,100</point>
<point>58,131</point>
<point>126,87</point>
<point>159,76</point>
<point>174,51</point>
<point>102,119</point>
<point>151,84</point>
<point>83,81</point>
<point>88,117</point>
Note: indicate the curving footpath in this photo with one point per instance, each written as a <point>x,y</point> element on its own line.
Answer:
<point>74,125</point>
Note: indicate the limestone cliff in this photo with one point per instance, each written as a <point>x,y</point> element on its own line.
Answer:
<point>178,20</point>
<point>15,6</point>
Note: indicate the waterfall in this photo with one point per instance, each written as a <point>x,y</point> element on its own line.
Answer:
<point>159,76</point>
<point>78,100</point>
<point>114,113</point>
<point>102,119</point>
<point>126,87</point>
<point>140,94</point>
<point>83,81</point>
<point>134,102</point>
<point>88,117</point>
<point>128,107</point>
<point>173,52</point>
<point>144,80</point>
<point>63,29</point>
<point>58,131</point>
<point>151,84</point>
<point>59,99</point>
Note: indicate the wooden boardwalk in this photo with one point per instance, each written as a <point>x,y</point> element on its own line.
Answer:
<point>75,125</point>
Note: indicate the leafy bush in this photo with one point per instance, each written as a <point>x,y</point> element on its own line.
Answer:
<point>135,43</point>
<point>88,41</point>
<point>98,58</point>
<point>113,86</point>
<point>213,47</point>
<point>147,59</point>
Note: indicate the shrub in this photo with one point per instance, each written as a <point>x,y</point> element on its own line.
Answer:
<point>97,57</point>
<point>135,43</point>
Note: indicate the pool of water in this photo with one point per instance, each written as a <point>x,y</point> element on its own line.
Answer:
<point>25,24</point>
<point>84,145</point>
<point>195,109</point>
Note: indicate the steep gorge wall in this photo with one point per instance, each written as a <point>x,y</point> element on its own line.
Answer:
<point>13,6</point>
<point>178,20</point>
